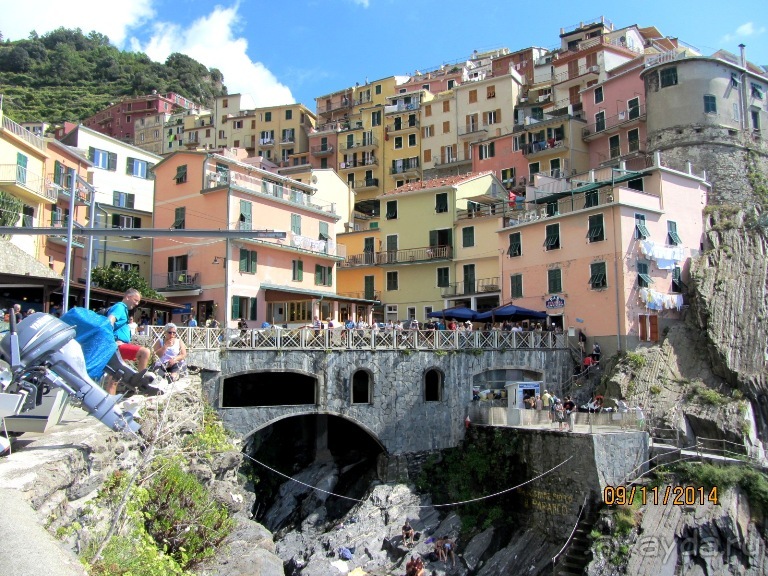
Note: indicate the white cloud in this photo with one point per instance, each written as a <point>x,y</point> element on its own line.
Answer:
<point>19,18</point>
<point>363,3</point>
<point>211,40</point>
<point>744,31</point>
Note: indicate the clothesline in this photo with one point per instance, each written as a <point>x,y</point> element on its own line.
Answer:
<point>666,256</point>
<point>660,301</point>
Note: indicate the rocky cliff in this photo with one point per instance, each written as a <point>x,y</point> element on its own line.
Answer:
<point>56,482</point>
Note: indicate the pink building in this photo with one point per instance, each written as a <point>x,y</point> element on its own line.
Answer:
<point>615,114</point>
<point>117,120</point>
<point>286,281</point>
<point>610,257</point>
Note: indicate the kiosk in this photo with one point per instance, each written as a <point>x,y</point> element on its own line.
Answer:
<point>517,392</point>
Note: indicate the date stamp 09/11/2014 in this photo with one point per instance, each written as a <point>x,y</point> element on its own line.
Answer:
<point>659,495</point>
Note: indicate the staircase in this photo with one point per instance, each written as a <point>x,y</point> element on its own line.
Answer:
<point>577,553</point>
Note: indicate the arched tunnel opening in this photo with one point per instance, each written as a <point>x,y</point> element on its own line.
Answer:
<point>269,389</point>
<point>325,451</point>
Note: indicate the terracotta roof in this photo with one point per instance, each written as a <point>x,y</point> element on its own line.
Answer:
<point>437,182</point>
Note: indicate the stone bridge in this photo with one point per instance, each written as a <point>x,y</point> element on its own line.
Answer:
<point>409,397</point>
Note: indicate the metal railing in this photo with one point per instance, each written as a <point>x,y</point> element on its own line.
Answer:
<point>25,178</point>
<point>308,338</point>
<point>23,133</point>
<point>178,280</point>
<point>632,114</point>
<point>471,287</point>
<point>414,254</point>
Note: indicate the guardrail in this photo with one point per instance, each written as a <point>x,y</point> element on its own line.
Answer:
<point>357,339</point>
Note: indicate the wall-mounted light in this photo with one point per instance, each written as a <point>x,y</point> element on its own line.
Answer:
<point>218,260</point>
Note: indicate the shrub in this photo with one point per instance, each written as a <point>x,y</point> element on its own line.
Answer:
<point>636,361</point>
<point>212,437</point>
<point>625,520</point>
<point>655,390</point>
<point>180,515</point>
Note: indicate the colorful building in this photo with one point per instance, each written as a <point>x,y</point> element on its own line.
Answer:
<point>609,257</point>
<point>280,281</point>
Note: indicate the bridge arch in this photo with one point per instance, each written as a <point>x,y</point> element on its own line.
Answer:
<point>245,388</point>
<point>310,412</point>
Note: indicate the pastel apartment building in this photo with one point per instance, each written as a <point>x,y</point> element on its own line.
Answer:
<point>118,120</point>
<point>122,177</point>
<point>609,257</point>
<point>279,281</point>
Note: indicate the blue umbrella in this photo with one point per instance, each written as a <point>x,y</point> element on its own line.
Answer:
<point>457,313</point>
<point>511,312</point>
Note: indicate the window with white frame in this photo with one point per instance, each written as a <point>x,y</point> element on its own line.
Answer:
<point>138,168</point>
<point>487,150</point>
<point>123,199</point>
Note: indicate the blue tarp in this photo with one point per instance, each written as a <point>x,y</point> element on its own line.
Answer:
<point>511,312</point>
<point>95,336</point>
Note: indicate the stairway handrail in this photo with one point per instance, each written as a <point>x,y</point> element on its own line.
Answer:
<point>567,542</point>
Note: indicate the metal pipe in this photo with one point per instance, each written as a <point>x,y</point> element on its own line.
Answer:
<point>70,227</point>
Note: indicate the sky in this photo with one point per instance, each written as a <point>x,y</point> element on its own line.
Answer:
<point>288,51</point>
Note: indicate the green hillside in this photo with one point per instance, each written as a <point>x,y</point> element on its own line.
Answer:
<point>67,75</point>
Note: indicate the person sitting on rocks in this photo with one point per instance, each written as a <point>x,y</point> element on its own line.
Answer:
<point>414,567</point>
<point>449,550</point>
<point>408,533</point>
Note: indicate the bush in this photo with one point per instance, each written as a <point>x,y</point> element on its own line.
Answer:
<point>212,437</point>
<point>753,483</point>
<point>636,361</point>
<point>625,520</point>
<point>180,515</point>
<point>655,390</point>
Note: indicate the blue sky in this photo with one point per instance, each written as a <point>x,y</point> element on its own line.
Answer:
<point>297,50</point>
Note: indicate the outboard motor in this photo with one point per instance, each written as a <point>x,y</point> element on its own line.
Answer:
<point>42,353</point>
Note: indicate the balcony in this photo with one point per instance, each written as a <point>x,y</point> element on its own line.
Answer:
<point>342,104</point>
<point>613,123</point>
<point>20,180</point>
<point>61,239</point>
<point>473,130</point>
<point>266,188</point>
<point>321,150</point>
<point>401,107</point>
<point>451,160</point>
<point>403,126</point>
<point>176,281</point>
<point>362,143</point>
<point>467,287</point>
<point>406,167</point>
<point>365,184</point>
<point>363,295</point>
<point>61,191</point>
<point>415,255</point>
<point>364,259</point>
<point>263,142</point>
<point>536,148</point>
<point>362,163</point>
<point>577,73</point>
<point>288,139</point>
<point>23,133</point>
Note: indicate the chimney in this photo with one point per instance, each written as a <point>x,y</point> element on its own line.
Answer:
<point>742,47</point>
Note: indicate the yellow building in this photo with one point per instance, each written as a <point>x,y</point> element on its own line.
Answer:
<point>419,253</point>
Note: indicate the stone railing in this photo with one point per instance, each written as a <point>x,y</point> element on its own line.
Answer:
<point>366,339</point>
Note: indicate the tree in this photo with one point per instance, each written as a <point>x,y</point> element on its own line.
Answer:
<point>121,280</point>
<point>10,210</point>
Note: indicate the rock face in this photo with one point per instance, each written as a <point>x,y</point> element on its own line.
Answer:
<point>58,474</point>
<point>730,304</point>
<point>705,539</point>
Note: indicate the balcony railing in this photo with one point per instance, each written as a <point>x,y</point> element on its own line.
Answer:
<point>368,161</point>
<point>410,125</point>
<point>403,166</point>
<point>23,133</point>
<point>425,254</point>
<point>362,295</point>
<point>472,129</point>
<point>26,179</point>
<point>636,113</point>
<point>62,190</point>
<point>321,150</point>
<point>361,143</point>
<point>364,259</point>
<point>178,280</point>
<point>541,146</point>
<point>471,287</point>
<point>267,188</point>
<point>367,183</point>
<point>571,74</point>
<point>363,339</point>
<point>454,159</point>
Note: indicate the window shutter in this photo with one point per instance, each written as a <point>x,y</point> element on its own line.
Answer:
<point>300,270</point>
<point>318,274</point>
<point>129,165</point>
<point>243,260</point>
<point>136,222</point>
<point>170,264</point>
<point>115,220</point>
<point>498,116</point>
<point>252,307</point>
<point>433,237</point>
<point>253,260</point>
<point>330,276</point>
<point>150,174</point>
<point>57,173</point>
<point>91,153</point>
<point>112,161</point>
<point>235,307</point>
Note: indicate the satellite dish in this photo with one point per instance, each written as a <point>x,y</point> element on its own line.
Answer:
<point>313,179</point>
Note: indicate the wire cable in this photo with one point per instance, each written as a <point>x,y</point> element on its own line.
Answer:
<point>422,506</point>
